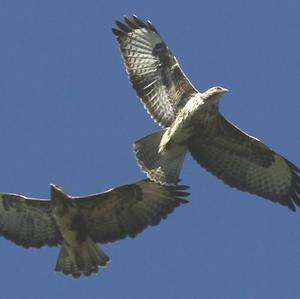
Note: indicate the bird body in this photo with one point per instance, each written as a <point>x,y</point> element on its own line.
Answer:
<point>162,158</point>
<point>200,111</point>
<point>78,223</point>
<point>79,253</point>
<point>191,121</point>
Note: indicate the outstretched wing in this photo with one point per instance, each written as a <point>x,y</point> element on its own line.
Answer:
<point>129,209</point>
<point>245,163</point>
<point>27,222</point>
<point>153,70</point>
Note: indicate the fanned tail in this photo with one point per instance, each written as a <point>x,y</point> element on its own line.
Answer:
<point>160,166</point>
<point>85,260</point>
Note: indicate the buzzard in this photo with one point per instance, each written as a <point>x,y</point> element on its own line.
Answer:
<point>78,223</point>
<point>191,121</point>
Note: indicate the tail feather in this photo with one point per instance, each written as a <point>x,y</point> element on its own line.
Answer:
<point>160,166</point>
<point>86,259</point>
<point>64,263</point>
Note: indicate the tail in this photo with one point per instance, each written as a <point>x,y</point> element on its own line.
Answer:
<point>160,166</point>
<point>86,259</point>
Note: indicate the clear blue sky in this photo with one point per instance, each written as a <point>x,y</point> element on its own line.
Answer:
<point>69,116</point>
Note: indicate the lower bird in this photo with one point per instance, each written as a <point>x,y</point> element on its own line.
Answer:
<point>78,223</point>
<point>191,121</point>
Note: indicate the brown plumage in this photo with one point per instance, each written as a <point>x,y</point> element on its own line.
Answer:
<point>78,223</point>
<point>192,122</point>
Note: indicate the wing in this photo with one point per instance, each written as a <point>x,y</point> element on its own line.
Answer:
<point>27,222</point>
<point>129,209</point>
<point>243,162</point>
<point>153,70</point>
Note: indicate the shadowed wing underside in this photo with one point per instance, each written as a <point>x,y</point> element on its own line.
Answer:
<point>153,70</point>
<point>78,223</point>
<point>109,216</point>
<point>245,163</point>
<point>27,221</point>
<point>129,209</point>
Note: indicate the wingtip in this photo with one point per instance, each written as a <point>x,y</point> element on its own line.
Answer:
<point>151,27</point>
<point>292,208</point>
<point>123,27</point>
<point>116,32</point>
<point>182,193</point>
<point>183,201</point>
<point>182,187</point>
<point>139,22</point>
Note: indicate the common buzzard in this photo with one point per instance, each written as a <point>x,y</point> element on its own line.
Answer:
<point>78,223</point>
<point>191,121</point>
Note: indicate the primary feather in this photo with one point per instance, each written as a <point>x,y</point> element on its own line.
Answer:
<point>78,223</point>
<point>192,121</point>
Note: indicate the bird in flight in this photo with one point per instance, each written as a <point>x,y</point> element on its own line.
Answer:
<point>78,223</point>
<point>191,121</point>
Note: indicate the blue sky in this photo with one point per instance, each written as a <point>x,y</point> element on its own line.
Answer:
<point>69,116</point>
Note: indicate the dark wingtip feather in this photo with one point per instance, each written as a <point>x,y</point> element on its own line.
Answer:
<point>295,198</point>
<point>151,27</point>
<point>130,23</point>
<point>135,23</point>
<point>295,192</point>
<point>139,22</point>
<point>117,32</point>
<point>292,207</point>
<point>182,187</point>
<point>297,188</point>
<point>181,193</point>
<point>178,189</point>
<point>182,200</point>
<point>123,27</point>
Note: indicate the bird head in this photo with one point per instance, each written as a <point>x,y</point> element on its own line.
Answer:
<point>214,93</point>
<point>60,199</point>
<point>57,192</point>
<point>56,188</point>
<point>217,90</point>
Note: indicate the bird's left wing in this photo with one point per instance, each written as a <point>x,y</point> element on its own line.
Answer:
<point>27,222</point>
<point>243,162</point>
<point>129,209</point>
<point>153,70</point>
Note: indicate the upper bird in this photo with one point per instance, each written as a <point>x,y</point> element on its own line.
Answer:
<point>191,121</point>
<point>78,223</point>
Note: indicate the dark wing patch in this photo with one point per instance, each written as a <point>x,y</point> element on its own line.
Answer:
<point>129,209</point>
<point>27,222</point>
<point>243,162</point>
<point>153,70</point>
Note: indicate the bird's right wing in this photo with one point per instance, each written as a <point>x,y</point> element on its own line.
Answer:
<point>129,209</point>
<point>153,70</point>
<point>243,162</point>
<point>27,221</point>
